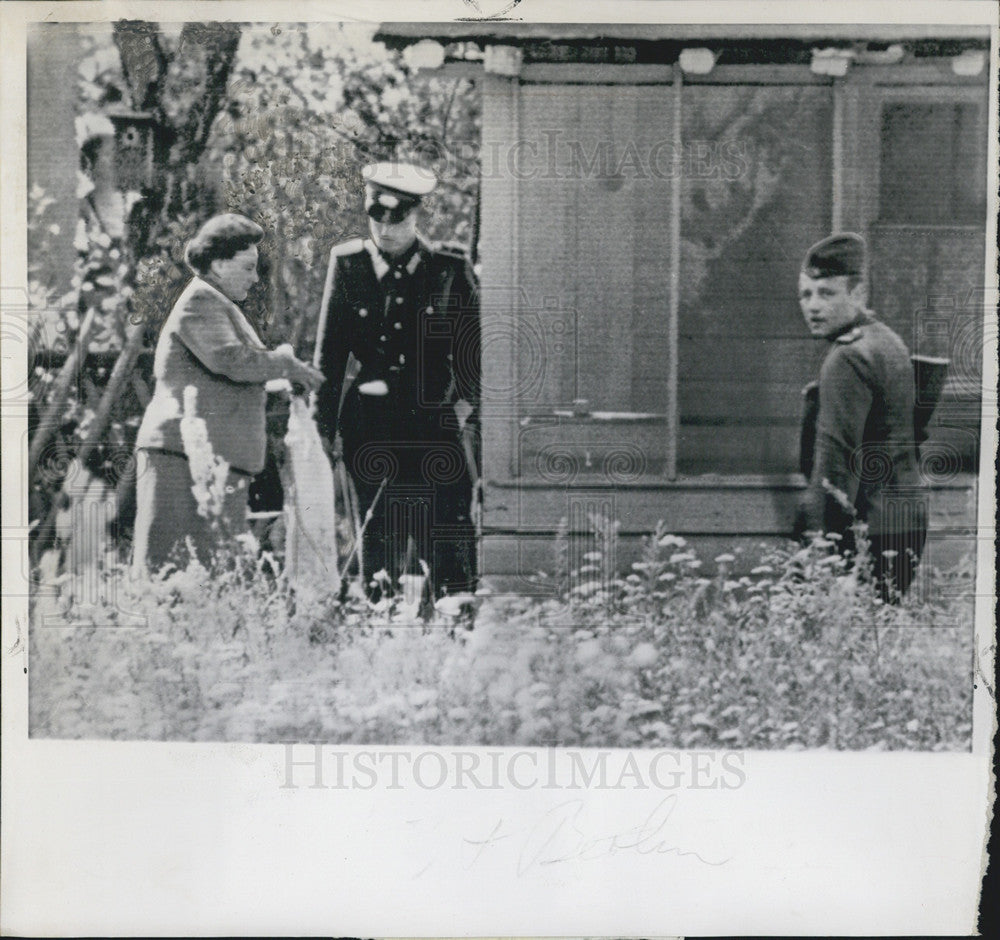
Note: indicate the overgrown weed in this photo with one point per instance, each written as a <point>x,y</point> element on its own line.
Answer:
<point>798,653</point>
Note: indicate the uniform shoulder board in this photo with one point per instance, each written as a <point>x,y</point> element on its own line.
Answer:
<point>452,250</point>
<point>350,247</point>
<point>851,336</point>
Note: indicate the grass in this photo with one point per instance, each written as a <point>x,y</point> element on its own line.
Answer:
<point>799,654</point>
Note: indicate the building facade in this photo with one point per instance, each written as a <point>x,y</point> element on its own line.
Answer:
<point>647,193</point>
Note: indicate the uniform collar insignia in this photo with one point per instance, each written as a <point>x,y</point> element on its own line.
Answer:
<point>855,330</point>
<point>379,263</point>
<point>382,266</point>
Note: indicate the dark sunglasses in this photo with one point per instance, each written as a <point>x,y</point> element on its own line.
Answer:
<point>391,215</point>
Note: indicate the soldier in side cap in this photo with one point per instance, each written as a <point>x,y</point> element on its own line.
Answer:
<point>863,463</point>
<point>408,313</point>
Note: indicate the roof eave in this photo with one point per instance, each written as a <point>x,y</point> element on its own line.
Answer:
<point>399,35</point>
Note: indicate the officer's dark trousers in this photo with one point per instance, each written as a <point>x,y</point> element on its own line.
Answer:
<point>894,559</point>
<point>895,543</point>
<point>422,514</point>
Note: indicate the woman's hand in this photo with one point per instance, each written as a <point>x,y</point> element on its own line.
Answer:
<point>297,371</point>
<point>301,373</point>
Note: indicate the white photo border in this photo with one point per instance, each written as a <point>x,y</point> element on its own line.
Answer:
<point>138,838</point>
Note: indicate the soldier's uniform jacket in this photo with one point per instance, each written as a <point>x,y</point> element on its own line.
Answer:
<point>412,323</point>
<point>865,445</point>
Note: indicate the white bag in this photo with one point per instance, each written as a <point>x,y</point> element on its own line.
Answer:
<point>310,514</point>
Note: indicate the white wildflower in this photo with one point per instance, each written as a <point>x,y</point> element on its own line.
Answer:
<point>80,240</point>
<point>451,604</point>
<point>208,471</point>
<point>674,540</point>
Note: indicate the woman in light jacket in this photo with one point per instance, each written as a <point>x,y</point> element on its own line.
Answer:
<point>208,345</point>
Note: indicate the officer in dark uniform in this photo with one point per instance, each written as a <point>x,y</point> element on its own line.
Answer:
<point>864,463</point>
<point>409,315</point>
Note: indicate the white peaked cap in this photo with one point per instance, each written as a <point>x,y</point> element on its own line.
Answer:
<point>407,178</point>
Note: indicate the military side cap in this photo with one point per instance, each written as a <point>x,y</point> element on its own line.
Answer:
<point>840,254</point>
<point>393,190</point>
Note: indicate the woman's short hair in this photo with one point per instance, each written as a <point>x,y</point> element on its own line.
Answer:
<point>220,238</point>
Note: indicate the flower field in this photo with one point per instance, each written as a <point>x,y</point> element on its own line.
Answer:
<point>797,654</point>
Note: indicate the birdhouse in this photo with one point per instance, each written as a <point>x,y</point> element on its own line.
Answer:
<point>133,149</point>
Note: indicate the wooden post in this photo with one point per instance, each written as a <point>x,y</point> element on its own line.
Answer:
<point>134,336</point>
<point>837,208</point>
<point>676,205</point>
<point>499,292</point>
<point>60,392</point>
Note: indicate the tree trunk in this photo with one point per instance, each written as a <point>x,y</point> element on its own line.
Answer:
<point>207,49</point>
